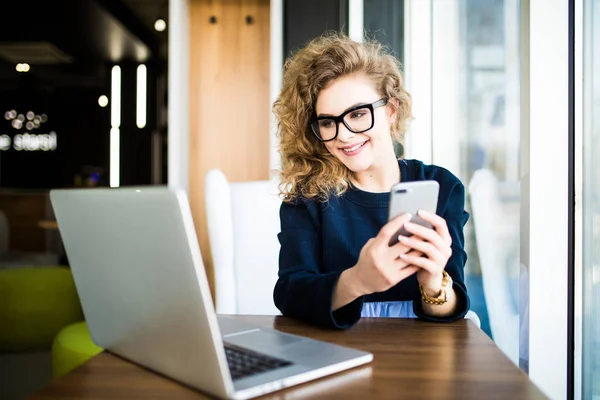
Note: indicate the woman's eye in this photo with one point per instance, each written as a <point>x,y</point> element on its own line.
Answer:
<point>326,123</point>
<point>358,114</point>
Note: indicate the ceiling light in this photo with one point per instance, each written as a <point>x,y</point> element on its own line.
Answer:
<point>115,97</point>
<point>160,25</point>
<point>141,96</point>
<point>22,67</point>
<point>103,101</point>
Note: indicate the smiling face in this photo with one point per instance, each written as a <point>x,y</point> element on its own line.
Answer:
<point>359,152</point>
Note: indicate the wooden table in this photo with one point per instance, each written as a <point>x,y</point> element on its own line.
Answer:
<point>412,360</point>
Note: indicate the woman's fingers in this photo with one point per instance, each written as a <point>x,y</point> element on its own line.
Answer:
<point>425,263</point>
<point>429,249</point>
<point>391,228</point>
<point>439,224</point>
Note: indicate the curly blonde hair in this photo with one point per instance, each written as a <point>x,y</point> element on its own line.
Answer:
<point>308,170</point>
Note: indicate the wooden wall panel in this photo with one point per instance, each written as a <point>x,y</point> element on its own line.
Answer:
<point>229,98</point>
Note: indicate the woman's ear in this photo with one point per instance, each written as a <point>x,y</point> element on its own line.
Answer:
<point>392,110</point>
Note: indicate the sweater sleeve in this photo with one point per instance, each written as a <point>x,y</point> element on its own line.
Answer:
<point>302,290</point>
<point>456,217</point>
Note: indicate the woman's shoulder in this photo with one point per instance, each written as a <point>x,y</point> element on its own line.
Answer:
<point>417,170</point>
<point>452,191</point>
<point>300,205</point>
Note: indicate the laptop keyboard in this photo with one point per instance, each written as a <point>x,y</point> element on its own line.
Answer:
<point>244,363</point>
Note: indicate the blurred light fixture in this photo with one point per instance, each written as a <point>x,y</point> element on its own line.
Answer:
<point>160,25</point>
<point>115,122</point>
<point>140,115</point>
<point>23,67</point>
<point>103,101</point>
<point>30,115</point>
<point>115,144</point>
<point>115,97</point>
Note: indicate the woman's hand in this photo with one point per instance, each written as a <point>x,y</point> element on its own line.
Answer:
<point>435,248</point>
<point>379,266</point>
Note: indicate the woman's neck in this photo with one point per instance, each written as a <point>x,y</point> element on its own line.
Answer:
<point>380,177</point>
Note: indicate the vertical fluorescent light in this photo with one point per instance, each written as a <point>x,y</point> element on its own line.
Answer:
<point>140,115</point>
<point>356,20</point>
<point>115,138</point>
<point>115,97</point>
<point>115,122</point>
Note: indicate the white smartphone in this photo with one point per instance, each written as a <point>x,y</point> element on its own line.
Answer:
<point>409,197</point>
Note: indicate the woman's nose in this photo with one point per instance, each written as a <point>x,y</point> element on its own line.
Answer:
<point>344,134</point>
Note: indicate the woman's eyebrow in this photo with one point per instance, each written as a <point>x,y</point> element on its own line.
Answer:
<point>330,115</point>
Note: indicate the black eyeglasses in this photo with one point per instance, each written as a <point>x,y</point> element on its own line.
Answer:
<point>357,119</point>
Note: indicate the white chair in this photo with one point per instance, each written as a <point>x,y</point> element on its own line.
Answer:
<point>496,235</point>
<point>243,223</point>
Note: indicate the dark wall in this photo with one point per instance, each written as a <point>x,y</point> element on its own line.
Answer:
<point>83,133</point>
<point>307,19</point>
<point>384,21</point>
<point>136,149</point>
<point>81,128</point>
<point>66,89</point>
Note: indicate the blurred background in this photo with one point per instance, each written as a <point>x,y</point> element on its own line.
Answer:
<point>60,93</point>
<point>84,102</point>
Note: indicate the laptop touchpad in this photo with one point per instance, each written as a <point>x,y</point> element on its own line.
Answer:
<point>262,339</point>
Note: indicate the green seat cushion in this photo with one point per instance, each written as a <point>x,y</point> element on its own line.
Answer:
<point>72,347</point>
<point>35,304</point>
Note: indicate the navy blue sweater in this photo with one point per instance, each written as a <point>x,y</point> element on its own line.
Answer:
<point>319,240</point>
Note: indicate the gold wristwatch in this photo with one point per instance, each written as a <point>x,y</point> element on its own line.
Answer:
<point>444,295</point>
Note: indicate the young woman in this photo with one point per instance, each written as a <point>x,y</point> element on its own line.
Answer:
<point>341,109</point>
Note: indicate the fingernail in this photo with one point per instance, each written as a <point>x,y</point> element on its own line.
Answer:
<point>419,212</point>
<point>408,216</point>
<point>402,238</point>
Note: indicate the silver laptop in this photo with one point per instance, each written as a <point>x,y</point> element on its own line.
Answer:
<point>145,296</point>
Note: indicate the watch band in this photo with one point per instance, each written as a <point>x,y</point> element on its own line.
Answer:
<point>442,298</point>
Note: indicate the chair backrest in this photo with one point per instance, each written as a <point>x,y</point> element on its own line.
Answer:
<point>243,223</point>
<point>497,238</point>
